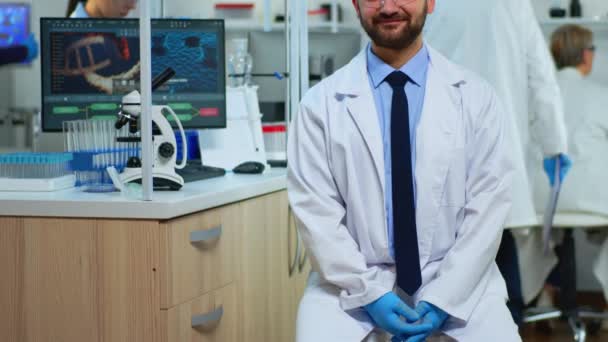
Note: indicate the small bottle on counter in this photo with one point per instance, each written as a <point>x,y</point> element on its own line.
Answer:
<point>576,9</point>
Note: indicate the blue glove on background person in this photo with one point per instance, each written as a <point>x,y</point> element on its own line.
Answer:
<point>430,315</point>
<point>387,313</point>
<point>32,48</point>
<point>549,164</point>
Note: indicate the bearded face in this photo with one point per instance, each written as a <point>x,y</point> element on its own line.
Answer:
<point>393,26</point>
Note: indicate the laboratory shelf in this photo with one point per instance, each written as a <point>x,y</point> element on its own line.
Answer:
<point>237,25</point>
<point>599,25</point>
<point>582,21</point>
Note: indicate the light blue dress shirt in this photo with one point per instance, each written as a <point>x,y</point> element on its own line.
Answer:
<point>416,69</point>
<point>79,12</point>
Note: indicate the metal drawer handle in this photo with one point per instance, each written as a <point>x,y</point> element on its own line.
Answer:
<point>303,261</point>
<point>208,320</point>
<point>292,264</point>
<point>292,267</point>
<point>206,235</point>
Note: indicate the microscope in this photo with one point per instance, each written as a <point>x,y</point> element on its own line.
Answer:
<point>164,143</point>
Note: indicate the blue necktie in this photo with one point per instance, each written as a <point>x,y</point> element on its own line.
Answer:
<point>405,238</point>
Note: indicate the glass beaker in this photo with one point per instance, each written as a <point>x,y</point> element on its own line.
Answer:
<point>240,64</point>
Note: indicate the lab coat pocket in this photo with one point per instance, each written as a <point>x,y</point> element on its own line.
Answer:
<point>454,190</point>
<point>451,209</point>
<point>448,220</point>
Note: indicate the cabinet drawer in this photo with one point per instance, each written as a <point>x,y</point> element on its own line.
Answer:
<point>208,318</point>
<point>198,254</point>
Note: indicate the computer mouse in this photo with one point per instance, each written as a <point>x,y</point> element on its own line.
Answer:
<point>250,167</point>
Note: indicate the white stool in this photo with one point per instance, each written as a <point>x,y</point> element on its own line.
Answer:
<point>569,309</point>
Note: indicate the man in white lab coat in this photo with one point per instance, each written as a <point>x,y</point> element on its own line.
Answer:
<point>502,41</point>
<point>399,181</point>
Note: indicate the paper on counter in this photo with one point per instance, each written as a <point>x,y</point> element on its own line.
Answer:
<point>551,209</point>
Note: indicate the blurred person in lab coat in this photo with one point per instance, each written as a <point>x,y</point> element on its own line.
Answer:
<point>502,41</point>
<point>100,8</point>
<point>586,105</point>
<point>399,179</point>
<point>25,52</point>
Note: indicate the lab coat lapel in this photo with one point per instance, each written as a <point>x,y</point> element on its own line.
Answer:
<point>362,108</point>
<point>434,141</point>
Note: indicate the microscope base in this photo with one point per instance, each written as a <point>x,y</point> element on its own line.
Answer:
<point>161,180</point>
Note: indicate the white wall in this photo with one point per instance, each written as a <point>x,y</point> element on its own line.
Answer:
<point>6,98</point>
<point>6,88</point>
<point>206,9</point>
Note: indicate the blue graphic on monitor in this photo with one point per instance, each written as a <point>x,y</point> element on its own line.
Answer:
<point>194,58</point>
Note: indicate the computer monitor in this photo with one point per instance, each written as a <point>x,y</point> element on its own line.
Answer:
<point>267,50</point>
<point>88,65</point>
<point>14,23</point>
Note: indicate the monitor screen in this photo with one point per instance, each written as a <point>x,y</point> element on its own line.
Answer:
<point>88,65</point>
<point>14,23</point>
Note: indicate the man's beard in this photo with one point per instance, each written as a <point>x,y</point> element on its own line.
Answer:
<point>406,37</point>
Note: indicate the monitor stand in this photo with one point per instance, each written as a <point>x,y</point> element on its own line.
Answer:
<point>279,163</point>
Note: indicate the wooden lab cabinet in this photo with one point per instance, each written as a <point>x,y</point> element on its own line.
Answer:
<point>233,273</point>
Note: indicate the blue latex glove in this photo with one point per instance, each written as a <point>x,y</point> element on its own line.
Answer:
<point>387,313</point>
<point>549,164</point>
<point>32,49</point>
<point>430,315</point>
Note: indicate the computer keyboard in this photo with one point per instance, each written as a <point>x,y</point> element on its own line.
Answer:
<point>194,171</point>
<point>277,163</point>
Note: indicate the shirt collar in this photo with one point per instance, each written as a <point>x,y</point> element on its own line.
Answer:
<point>415,69</point>
<point>80,12</point>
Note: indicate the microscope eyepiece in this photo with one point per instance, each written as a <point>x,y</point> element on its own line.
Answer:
<point>162,78</point>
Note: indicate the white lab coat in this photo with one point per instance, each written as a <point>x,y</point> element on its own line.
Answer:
<point>585,189</point>
<point>502,41</point>
<point>336,190</point>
